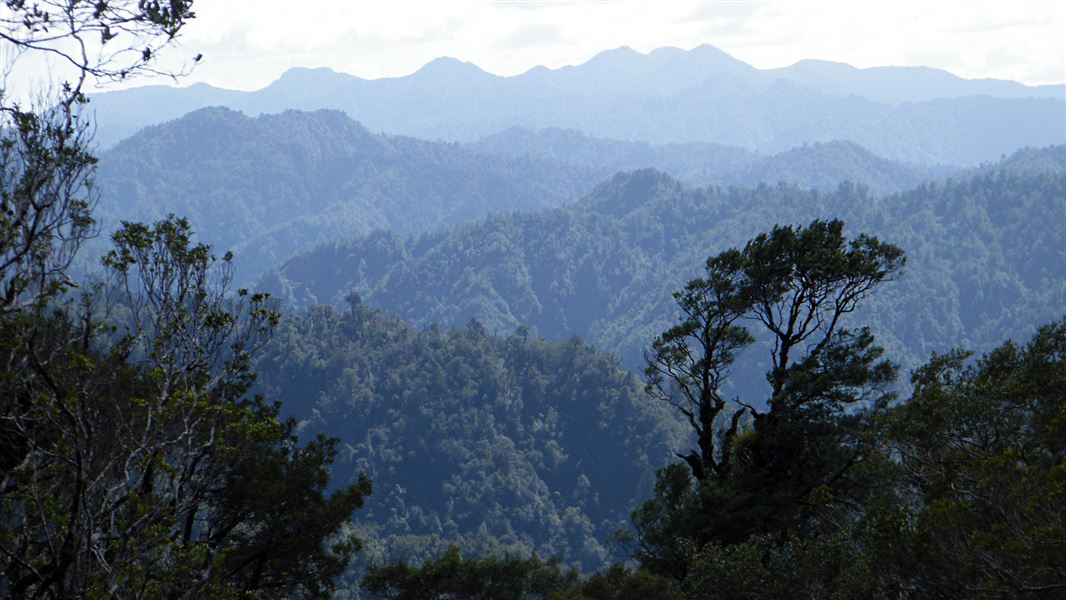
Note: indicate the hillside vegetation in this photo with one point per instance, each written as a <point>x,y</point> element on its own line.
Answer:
<point>492,442</point>
<point>270,186</point>
<point>981,265</point>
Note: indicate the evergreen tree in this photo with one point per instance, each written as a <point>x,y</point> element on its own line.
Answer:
<point>765,468</point>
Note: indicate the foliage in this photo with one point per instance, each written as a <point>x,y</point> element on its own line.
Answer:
<point>135,463</point>
<point>982,473</point>
<point>511,578</point>
<point>46,194</point>
<point>767,568</point>
<point>798,283</point>
<point>968,501</point>
<point>770,475</point>
<point>492,443</point>
<point>109,39</point>
<point>452,577</point>
<point>46,168</point>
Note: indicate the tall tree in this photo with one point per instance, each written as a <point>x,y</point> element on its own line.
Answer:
<point>981,447</point>
<point>135,462</point>
<point>759,465</point>
<point>46,164</point>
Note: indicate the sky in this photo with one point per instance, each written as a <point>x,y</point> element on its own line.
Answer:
<point>249,43</point>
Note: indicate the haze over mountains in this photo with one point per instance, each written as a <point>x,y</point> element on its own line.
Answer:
<point>570,204</point>
<point>917,115</point>
<point>271,186</point>
<point>821,165</point>
<point>658,326</point>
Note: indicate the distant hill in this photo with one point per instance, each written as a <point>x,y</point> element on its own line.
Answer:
<point>817,166</point>
<point>896,85</point>
<point>694,162</point>
<point>986,259</point>
<point>1031,161</point>
<point>270,186</point>
<point>916,115</point>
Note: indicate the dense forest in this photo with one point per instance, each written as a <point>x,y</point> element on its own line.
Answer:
<point>813,374</point>
<point>270,186</point>
<point>494,443</point>
<point>980,267</point>
<point>956,493</point>
<point>275,185</point>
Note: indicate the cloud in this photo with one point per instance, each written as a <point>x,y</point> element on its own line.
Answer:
<point>734,9</point>
<point>984,26</point>
<point>528,36</point>
<point>248,43</point>
<point>532,4</point>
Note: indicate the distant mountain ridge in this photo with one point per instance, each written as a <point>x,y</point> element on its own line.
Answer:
<point>821,165</point>
<point>275,185</point>
<point>667,96</point>
<point>270,186</point>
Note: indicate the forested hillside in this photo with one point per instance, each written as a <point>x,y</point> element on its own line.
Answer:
<point>270,186</point>
<point>658,326</point>
<point>273,186</point>
<point>818,165</point>
<point>494,443</point>
<point>986,259</point>
<point>667,96</point>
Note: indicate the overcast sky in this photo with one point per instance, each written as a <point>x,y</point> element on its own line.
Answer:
<point>248,43</point>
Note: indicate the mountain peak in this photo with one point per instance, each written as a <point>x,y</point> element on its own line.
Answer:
<point>307,75</point>
<point>825,65</point>
<point>619,56</point>
<point>447,66</point>
<point>630,190</point>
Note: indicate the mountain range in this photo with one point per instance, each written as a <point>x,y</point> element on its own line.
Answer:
<point>912,114</point>
<point>821,165</point>
<point>271,186</point>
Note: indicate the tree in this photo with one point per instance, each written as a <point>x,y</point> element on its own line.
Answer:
<point>764,467</point>
<point>511,578</point>
<point>135,461</point>
<point>46,166</point>
<point>103,39</point>
<point>980,508</point>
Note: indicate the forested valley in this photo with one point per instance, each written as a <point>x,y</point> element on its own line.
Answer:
<point>658,325</point>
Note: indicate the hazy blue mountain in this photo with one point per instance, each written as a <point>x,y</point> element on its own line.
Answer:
<point>666,96</point>
<point>1032,161</point>
<point>694,162</point>
<point>986,259</point>
<point>905,84</point>
<point>119,115</point>
<point>818,165</point>
<point>269,186</point>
